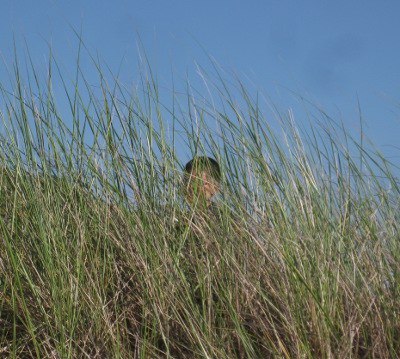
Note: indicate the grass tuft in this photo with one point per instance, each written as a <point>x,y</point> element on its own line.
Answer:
<point>100,256</point>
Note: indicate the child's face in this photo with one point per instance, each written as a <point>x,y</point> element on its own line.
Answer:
<point>201,186</point>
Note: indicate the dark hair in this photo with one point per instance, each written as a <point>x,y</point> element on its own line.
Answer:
<point>203,163</point>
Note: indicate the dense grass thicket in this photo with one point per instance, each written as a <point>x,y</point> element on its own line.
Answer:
<point>101,257</point>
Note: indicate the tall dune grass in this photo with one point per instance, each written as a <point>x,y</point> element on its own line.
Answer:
<point>303,264</point>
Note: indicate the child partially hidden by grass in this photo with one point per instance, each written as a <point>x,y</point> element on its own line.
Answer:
<point>202,182</point>
<point>202,177</point>
<point>201,214</point>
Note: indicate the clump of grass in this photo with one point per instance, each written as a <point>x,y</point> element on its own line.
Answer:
<point>303,263</point>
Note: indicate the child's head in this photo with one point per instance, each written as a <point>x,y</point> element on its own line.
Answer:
<point>202,177</point>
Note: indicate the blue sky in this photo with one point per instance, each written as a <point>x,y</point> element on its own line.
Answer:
<point>333,53</point>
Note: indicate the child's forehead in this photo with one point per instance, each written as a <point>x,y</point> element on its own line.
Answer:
<point>201,167</point>
<point>203,175</point>
<point>200,172</point>
<point>197,170</point>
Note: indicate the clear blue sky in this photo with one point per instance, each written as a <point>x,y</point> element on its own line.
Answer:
<point>334,53</point>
